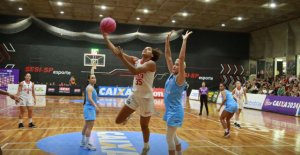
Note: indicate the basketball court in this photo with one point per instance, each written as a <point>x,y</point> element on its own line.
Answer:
<point>91,72</point>
<point>262,132</point>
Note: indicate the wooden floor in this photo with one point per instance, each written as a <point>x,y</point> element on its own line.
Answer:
<point>262,133</point>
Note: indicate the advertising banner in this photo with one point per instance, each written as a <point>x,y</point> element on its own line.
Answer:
<point>8,76</point>
<point>255,101</point>
<point>106,91</point>
<point>194,95</point>
<point>282,104</point>
<point>40,90</point>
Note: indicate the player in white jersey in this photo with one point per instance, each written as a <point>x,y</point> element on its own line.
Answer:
<point>142,96</point>
<point>27,95</point>
<point>239,93</point>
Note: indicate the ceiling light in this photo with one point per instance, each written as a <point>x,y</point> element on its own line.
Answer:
<point>62,12</point>
<point>20,8</point>
<point>138,18</point>
<point>272,5</point>
<point>173,21</point>
<point>223,25</point>
<point>103,7</point>
<point>100,15</point>
<point>184,14</point>
<point>146,11</point>
<point>59,3</point>
<point>207,1</point>
<point>239,18</point>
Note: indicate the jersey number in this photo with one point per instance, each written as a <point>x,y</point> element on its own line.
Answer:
<point>139,79</point>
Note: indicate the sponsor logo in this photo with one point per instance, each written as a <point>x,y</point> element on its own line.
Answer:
<point>126,91</point>
<point>114,91</point>
<point>267,102</point>
<point>64,89</point>
<point>158,92</point>
<point>285,104</point>
<point>61,72</point>
<point>206,78</point>
<point>37,69</point>
<point>39,89</point>
<point>77,90</point>
<point>51,89</point>
<point>106,143</point>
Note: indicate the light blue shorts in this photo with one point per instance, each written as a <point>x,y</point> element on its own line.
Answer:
<point>89,113</point>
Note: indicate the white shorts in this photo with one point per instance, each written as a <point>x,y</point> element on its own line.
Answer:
<point>26,102</point>
<point>146,105</point>
<point>240,104</point>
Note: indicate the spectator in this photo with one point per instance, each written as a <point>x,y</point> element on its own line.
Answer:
<point>280,85</point>
<point>72,81</point>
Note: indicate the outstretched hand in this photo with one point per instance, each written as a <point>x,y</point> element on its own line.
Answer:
<point>169,34</point>
<point>186,35</point>
<point>104,34</point>
<point>14,97</point>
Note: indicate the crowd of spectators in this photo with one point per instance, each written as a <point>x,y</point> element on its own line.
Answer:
<point>279,86</point>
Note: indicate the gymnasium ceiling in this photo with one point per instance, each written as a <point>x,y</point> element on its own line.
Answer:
<point>221,15</point>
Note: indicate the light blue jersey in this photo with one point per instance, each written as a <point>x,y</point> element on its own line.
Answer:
<point>89,110</point>
<point>173,102</point>
<point>230,104</point>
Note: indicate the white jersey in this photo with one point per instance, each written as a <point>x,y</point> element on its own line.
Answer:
<point>239,94</point>
<point>142,83</point>
<point>26,92</point>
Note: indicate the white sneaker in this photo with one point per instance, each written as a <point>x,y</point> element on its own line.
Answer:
<point>90,147</point>
<point>82,143</point>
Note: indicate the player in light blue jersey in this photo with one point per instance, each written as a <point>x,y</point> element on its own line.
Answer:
<point>230,108</point>
<point>174,88</point>
<point>89,111</point>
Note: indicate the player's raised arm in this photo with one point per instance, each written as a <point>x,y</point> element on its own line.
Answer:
<point>168,55</point>
<point>181,72</point>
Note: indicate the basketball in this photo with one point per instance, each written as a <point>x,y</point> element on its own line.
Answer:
<point>108,25</point>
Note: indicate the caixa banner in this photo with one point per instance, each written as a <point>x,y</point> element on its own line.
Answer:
<point>105,91</point>
<point>114,91</point>
<point>282,104</point>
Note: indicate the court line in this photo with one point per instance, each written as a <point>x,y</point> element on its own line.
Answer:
<point>3,146</point>
<point>106,128</point>
<point>106,116</point>
<point>196,146</point>
<point>222,147</point>
<point>242,129</point>
<point>23,149</point>
<point>20,142</point>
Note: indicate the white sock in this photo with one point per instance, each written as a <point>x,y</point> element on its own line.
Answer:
<point>146,145</point>
<point>87,140</point>
<point>20,120</point>
<point>83,138</point>
<point>226,130</point>
<point>30,120</point>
